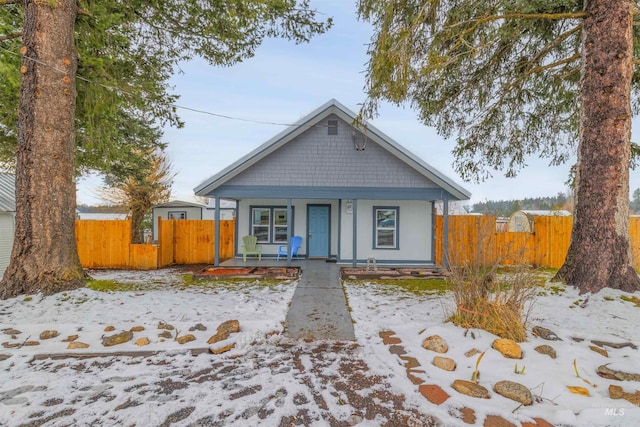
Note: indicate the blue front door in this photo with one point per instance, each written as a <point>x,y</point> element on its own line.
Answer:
<point>318,231</point>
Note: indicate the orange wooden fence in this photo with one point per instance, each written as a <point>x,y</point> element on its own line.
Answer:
<point>105,244</point>
<point>473,238</point>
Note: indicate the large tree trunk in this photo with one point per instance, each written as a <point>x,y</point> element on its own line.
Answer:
<point>599,255</point>
<point>45,257</point>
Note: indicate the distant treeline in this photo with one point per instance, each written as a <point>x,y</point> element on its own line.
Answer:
<point>507,207</point>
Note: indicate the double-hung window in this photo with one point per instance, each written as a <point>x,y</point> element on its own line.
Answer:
<point>269,224</point>
<point>386,227</point>
<point>260,224</point>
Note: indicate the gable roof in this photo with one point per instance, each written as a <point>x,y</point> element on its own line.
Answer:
<point>179,204</point>
<point>313,119</point>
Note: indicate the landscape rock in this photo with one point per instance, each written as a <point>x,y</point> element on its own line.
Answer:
<point>605,372</point>
<point>435,343</point>
<point>10,344</point>
<point>599,350</point>
<point>4,357</point>
<point>117,339</point>
<point>433,393</point>
<point>444,363</point>
<point>546,349</point>
<point>467,415</point>
<point>185,339</point>
<point>198,327</point>
<point>617,392</point>
<point>11,331</point>
<point>110,328</point>
<point>508,348</point>
<point>472,352</point>
<point>221,350</point>
<point>46,335</point>
<point>545,334</point>
<point>617,345</point>
<point>70,338</point>
<point>389,338</point>
<point>410,362</point>
<point>224,331</point>
<point>74,345</point>
<point>142,341</point>
<point>471,389</point>
<point>137,329</point>
<point>496,421</point>
<point>165,326</point>
<point>31,343</point>
<point>165,334</point>
<point>514,391</point>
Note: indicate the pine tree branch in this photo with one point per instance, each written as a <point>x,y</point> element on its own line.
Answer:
<point>5,2</point>
<point>492,18</point>
<point>554,43</point>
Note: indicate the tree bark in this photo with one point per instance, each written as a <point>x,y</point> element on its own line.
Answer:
<point>45,257</point>
<point>599,255</point>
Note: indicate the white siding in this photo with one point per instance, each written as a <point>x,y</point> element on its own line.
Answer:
<point>299,221</point>
<point>415,231</point>
<point>6,239</point>
<point>211,214</point>
<point>191,211</point>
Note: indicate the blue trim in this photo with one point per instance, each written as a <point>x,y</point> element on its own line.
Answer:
<point>375,228</point>
<point>271,221</point>
<point>300,192</point>
<point>339,228</point>
<point>389,261</point>
<point>354,236</point>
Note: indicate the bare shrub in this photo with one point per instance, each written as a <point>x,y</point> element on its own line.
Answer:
<point>490,297</point>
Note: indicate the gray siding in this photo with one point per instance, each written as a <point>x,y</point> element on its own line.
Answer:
<point>335,163</point>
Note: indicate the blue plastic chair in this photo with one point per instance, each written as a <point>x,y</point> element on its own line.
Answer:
<point>296,242</point>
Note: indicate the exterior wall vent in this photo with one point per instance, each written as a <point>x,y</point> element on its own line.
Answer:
<point>332,127</point>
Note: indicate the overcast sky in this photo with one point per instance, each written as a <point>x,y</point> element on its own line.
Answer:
<point>285,82</point>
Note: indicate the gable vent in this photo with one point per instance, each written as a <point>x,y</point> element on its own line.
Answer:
<point>332,127</point>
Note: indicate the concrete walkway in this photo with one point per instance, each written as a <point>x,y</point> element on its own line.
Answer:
<point>319,307</point>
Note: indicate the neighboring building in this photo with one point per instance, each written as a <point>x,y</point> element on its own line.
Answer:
<point>178,209</point>
<point>7,218</point>
<point>351,193</point>
<point>101,216</point>
<point>522,221</point>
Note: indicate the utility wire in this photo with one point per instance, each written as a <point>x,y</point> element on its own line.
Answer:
<point>182,107</point>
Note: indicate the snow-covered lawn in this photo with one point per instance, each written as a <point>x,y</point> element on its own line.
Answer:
<point>270,380</point>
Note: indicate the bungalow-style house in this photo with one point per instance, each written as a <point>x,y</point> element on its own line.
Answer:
<point>352,193</point>
<point>178,209</point>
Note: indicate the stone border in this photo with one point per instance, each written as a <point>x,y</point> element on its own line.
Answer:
<point>436,395</point>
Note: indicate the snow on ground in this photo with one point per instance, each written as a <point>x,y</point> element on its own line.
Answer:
<point>269,380</point>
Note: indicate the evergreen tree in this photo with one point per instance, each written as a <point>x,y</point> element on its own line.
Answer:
<point>129,49</point>
<point>516,78</point>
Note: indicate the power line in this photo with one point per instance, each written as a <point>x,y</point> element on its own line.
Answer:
<point>182,107</point>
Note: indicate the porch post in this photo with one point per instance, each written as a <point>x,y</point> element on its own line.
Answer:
<point>354,261</point>
<point>216,239</point>
<point>289,232</point>
<point>445,231</point>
